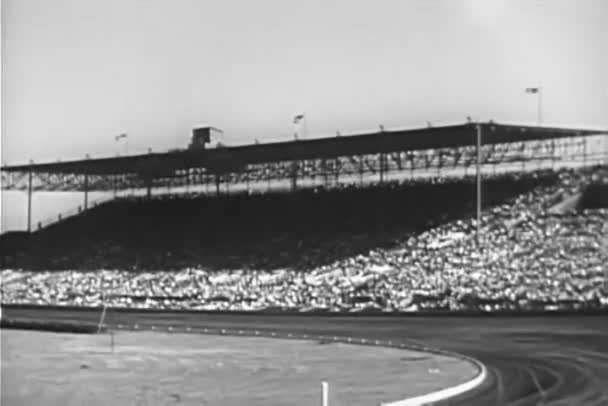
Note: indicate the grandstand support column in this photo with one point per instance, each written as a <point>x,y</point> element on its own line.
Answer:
<point>553,155</point>
<point>294,175</point>
<point>268,170</point>
<point>324,169</point>
<point>337,166</point>
<point>207,184</point>
<point>584,151</point>
<point>361,169</point>
<point>86,191</point>
<point>381,167</point>
<point>29,202</point>
<point>478,170</point>
<point>410,157</point>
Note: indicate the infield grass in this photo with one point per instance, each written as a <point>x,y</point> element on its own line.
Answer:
<point>189,369</point>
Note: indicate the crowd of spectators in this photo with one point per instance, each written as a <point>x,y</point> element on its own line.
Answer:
<point>524,258</point>
<point>300,230</point>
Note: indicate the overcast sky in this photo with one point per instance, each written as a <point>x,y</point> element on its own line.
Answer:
<point>78,72</point>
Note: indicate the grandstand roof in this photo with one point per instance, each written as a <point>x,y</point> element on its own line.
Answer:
<point>237,157</point>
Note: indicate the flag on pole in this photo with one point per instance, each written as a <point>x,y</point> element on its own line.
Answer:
<point>532,90</point>
<point>118,137</point>
<point>297,119</point>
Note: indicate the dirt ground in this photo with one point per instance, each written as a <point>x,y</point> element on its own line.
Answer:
<point>189,369</point>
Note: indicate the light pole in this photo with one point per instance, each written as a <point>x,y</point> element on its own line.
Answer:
<point>478,169</point>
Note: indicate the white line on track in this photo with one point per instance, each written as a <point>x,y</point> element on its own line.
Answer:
<point>536,383</point>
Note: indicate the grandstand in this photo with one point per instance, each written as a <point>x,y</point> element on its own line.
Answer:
<point>382,220</point>
<point>326,162</point>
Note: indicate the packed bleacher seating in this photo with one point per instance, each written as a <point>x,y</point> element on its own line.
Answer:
<point>399,247</point>
<point>309,228</point>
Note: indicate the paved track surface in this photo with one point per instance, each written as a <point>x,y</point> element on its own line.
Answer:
<point>552,360</point>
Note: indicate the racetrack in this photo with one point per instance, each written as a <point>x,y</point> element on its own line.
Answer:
<point>549,360</point>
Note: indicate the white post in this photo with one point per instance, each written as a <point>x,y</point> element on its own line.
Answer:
<point>324,394</point>
<point>101,319</point>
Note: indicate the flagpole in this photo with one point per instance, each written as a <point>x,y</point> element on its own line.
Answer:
<point>124,136</point>
<point>298,125</point>
<point>538,91</point>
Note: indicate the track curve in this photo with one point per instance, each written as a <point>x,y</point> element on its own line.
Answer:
<point>551,360</point>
